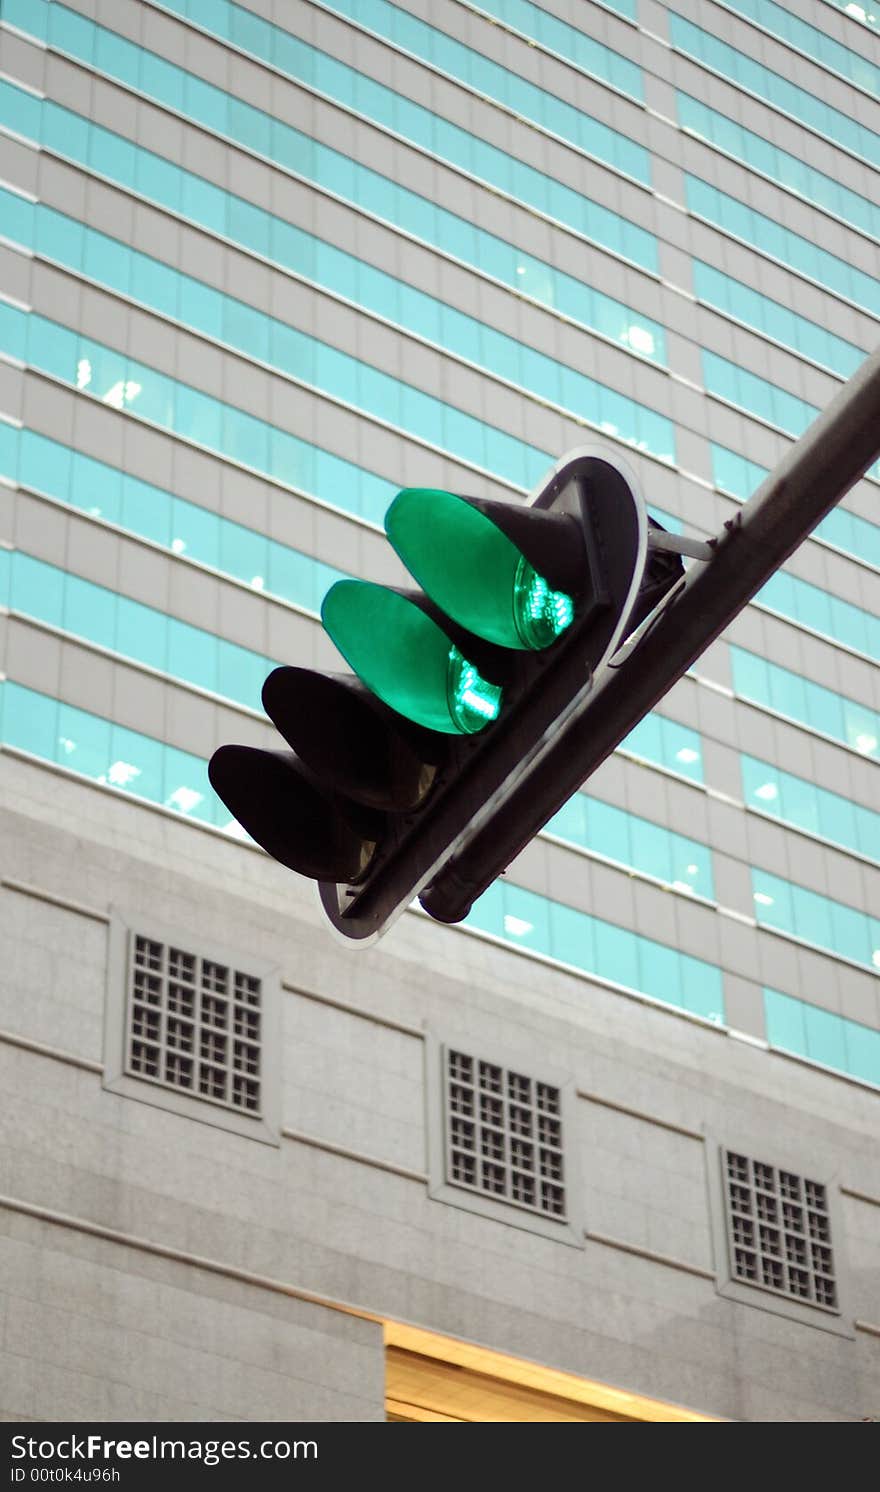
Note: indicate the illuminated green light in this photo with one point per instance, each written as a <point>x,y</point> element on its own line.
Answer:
<point>540,614</point>
<point>473,571</point>
<point>473,702</point>
<point>407,659</point>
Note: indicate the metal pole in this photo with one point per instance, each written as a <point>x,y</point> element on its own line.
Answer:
<point>818,470</point>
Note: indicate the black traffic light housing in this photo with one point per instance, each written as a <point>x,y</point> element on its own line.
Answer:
<point>463,686</point>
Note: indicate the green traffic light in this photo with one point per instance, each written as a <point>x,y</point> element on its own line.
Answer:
<point>474,572</point>
<point>407,659</point>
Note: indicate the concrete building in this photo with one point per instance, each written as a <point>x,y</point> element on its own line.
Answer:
<point>610,1148</point>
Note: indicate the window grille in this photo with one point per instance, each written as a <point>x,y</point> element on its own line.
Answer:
<point>504,1135</point>
<point>194,1025</point>
<point>779,1231</point>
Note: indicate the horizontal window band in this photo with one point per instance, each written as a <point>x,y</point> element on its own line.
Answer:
<point>215,101</point>
<point>221,313</point>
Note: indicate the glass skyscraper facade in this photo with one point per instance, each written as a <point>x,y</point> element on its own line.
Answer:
<point>260,267</point>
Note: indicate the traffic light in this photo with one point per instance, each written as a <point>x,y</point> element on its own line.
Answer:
<point>459,686</point>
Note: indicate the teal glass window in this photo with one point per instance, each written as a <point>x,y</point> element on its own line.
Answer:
<point>769,160</point>
<point>774,89</point>
<point>84,744</point>
<point>143,509</point>
<point>30,723</point>
<point>635,842</point>
<point>32,18</point>
<point>793,800</point>
<point>48,467</point>
<point>21,112</point>
<point>198,534</point>
<point>666,744</point>
<point>159,77</point>
<point>833,1040</point>
<point>787,693</point>
<point>770,238</point>
<point>243,553</point>
<point>238,436</point>
<point>162,182</point>
<point>30,577</point>
<point>617,954</point>
<point>523,919</point>
<point>240,674</point>
<point>18,220</point>
<point>142,633</point>
<point>192,654</point>
<point>89,610</point>
<point>812,42</point>
<point>185,787</point>
<point>136,763</point>
<point>818,920</point>
<point>54,349</point>
<point>825,1034</point>
<point>841,529</point>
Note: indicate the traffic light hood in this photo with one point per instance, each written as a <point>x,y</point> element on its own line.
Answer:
<point>404,656</point>
<point>348,738</point>
<point>282,806</point>
<point>511,575</point>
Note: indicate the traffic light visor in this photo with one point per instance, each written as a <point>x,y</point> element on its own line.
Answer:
<point>281,806</point>
<point>472,570</point>
<point>407,659</point>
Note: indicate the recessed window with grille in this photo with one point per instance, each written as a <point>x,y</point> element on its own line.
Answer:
<point>779,1231</point>
<point>504,1134</point>
<point>189,1029</point>
<point>194,1024</point>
